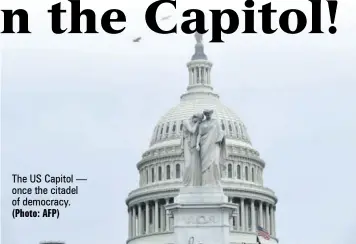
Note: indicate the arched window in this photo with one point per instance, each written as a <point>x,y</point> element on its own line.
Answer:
<point>229,171</point>
<point>253,175</point>
<point>153,175</point>
<point>230,127</point>
<point>146,176</point>
<point>162,130</point>
<point>246,173</point>
<point>238,172</point>
<point>167,129</point>
<point>168,172</point>
<point>181,126</point>
<point>174,128</point>
<point>159,173</point>
<point>177,171</point>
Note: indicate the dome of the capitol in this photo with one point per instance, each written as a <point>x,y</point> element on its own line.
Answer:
<point>170,125</point>
<point>162,167</point>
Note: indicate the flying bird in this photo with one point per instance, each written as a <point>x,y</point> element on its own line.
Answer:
<point>166,17</point>
<point>138,39</point>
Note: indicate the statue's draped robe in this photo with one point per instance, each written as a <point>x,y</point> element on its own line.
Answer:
<point>192,171</point>
<point>212,151</point>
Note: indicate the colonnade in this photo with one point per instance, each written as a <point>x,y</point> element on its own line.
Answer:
<point>199,75</point>
<point>151,217</point>
<point>253,213</point>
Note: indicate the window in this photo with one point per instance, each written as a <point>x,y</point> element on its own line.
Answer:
<point>168,172</point>
<point>246,173</point>
<point>174,128</point>
<point>153,175</point>
<point>253,175</point>
<point>229,171</point>
<point>167,129</point>
<point>181,126</point>
<point>222,125</point>
<point>162,130</point>
<point>146,176</point>
<point>230,127</point>
<point>238,172</point>
<point>177,171</point>
<point>159,173</point>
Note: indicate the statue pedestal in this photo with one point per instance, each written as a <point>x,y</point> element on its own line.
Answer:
<point>202,214</point>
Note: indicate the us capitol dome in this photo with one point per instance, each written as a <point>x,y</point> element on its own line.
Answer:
<point>162,167</point>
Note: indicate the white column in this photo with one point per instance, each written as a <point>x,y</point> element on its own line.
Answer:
<point>133,223</point>
<point>268,218</point>
<point>197,75</point>
<point>242,204</point>
<point>246,216</point>
<point>193,76</point>
<point>156,216</point>
<point>147,218</point>
<point>205,75</point>
<point>209,81</point>
<point>261,215</point>
<point>130,221</point>
<point>162,218</point>
<point>272,220</point>
<point>172,171</point>
<point>139,218</point>
<point>231,218</point>
<point>237,220</point>
<point>190,75</point>
<point>167,217</point>
<point>253,216</point>
<point>149,175</point>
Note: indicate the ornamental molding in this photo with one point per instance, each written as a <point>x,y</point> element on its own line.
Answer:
<point>139,197</point>
<point>171,155</point>
<point>171,193</point>
<point>173,149</point>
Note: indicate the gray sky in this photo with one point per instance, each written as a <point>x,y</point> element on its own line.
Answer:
<point>87,105</point>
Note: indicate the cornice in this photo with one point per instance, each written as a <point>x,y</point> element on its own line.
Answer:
<point>175,153</point>
<point>241,190</point>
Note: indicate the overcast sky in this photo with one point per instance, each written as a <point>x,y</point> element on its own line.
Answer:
<point>87,105</point>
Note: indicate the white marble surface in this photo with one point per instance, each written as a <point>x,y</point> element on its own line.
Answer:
<point>200,195</point>
<point>202,213</point>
